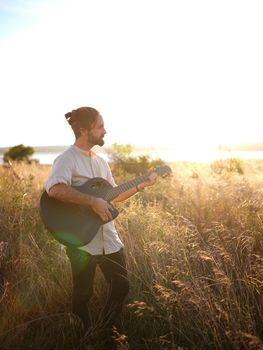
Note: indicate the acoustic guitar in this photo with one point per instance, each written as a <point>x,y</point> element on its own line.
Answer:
<point>76,225</point>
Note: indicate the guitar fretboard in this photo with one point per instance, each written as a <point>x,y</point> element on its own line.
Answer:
<point>116,191</point>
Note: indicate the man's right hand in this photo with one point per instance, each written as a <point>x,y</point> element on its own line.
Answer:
<point>102,208</point>
<point>67,193</point>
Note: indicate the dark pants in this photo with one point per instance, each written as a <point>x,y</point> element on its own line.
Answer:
<point>113,267</point>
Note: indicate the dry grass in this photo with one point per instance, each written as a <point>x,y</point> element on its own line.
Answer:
<point>194,251</point>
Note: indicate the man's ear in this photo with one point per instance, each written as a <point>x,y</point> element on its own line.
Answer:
<point>83,131</point>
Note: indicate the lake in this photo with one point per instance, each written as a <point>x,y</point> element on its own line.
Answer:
<point>168,155</point>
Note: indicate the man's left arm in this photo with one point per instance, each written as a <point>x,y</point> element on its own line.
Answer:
<point>125,195</point>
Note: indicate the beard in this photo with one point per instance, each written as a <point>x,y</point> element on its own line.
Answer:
<point>93,140</point>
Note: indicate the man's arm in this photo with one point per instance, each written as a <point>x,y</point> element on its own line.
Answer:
<point>125,195</point>
<point>69,194</point>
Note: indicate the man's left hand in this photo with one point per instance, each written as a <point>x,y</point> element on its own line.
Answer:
<point>151,180</point>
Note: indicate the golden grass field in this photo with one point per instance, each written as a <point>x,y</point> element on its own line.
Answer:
<point>194,245</point>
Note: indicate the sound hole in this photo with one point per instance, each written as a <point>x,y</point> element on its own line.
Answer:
<point>98,184</point>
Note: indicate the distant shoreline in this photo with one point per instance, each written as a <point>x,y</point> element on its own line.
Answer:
<point>167,155</point>
<point>60,148</point>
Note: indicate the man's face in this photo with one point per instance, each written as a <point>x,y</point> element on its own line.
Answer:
<point>96,134</point>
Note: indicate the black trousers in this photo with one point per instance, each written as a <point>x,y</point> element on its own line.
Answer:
<point>113,267</point>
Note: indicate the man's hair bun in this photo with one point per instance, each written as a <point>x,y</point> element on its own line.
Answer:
<point>68,117</point>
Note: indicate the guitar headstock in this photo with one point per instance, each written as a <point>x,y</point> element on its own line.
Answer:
<point>163,170</point>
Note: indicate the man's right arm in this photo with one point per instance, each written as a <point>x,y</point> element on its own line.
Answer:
<point>69,194</point>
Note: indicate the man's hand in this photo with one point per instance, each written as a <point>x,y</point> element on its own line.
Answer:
<point>102,208</point>
<point>69,194</point>
<point>151,180</point>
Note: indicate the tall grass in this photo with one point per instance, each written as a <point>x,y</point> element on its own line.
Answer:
<point>194,253</point>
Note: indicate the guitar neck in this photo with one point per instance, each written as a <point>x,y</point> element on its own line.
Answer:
<point>116,191</point>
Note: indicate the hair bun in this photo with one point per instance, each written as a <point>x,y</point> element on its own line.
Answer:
<point>68,117</point>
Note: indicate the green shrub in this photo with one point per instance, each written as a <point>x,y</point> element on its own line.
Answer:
<point>19,153</point>
<point>231,165</point>
<point>125,162</point>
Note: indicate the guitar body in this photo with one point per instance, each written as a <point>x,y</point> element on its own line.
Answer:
<point>72,224</point>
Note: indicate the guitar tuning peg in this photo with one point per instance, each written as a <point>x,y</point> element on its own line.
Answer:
<point>165,175</point>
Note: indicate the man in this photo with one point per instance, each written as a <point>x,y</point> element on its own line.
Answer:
<point>73,168</point>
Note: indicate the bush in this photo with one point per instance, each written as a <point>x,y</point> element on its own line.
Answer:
<point>124,162</point>
<point>19,153</point>
<point>231,165</point>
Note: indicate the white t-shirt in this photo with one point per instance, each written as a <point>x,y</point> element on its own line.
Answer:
<point>74,167</point>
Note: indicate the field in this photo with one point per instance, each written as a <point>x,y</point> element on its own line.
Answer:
<point>194,245</point>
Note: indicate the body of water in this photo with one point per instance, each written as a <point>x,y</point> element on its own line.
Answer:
<point>168,155</point>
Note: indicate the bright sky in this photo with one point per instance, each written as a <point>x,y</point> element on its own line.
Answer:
<point>161,72</point>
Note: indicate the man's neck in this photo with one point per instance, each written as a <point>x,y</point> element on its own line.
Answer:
<point>83,145</point>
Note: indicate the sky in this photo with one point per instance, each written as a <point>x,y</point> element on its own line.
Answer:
<point>164,73</point>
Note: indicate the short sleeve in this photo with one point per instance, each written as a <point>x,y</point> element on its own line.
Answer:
<point>61,172</point>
